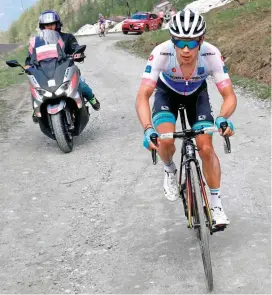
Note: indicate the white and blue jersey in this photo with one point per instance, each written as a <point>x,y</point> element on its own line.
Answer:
<point>163,64</point>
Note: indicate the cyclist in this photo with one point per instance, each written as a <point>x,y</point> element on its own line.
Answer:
<point>178,69</point>
<point>101,22</point>
<point>50,20</point>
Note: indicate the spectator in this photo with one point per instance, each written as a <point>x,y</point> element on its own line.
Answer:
<point>161,15</point>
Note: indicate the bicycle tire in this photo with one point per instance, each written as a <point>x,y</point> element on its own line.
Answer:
<point>202,232</point>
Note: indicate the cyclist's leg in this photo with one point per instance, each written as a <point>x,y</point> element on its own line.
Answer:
<point>200,114</point>
<point>164,115</point>
<point>164,119</point>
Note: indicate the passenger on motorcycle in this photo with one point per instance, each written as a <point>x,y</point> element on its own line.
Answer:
<point>50,20</point>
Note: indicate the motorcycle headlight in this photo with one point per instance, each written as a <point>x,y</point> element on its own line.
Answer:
<point>63,88</point>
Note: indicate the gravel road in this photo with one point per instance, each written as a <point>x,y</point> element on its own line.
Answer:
<point>96,220</point>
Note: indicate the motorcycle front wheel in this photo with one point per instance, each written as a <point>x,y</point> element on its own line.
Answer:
<point>63,136</point>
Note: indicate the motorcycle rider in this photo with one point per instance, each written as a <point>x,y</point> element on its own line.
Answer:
<point>50,20</point>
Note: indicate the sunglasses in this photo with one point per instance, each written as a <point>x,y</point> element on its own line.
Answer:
<point>182,44</point>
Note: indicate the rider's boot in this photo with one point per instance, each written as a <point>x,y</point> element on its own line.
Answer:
<point>94,103</point>
<point>34,118</point>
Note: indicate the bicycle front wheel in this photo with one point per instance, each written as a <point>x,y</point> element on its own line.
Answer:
<point>200,225</point>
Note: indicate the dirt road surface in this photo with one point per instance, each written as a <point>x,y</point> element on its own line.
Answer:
<point>96,220</point>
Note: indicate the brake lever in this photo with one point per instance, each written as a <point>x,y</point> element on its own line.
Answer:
<point>153,138</point>
<point>227,146</point>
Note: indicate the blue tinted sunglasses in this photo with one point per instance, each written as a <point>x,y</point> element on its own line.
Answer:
<point>182,44</point>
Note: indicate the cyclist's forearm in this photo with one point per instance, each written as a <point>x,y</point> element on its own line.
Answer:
<point>228,107</point>
<point>143,111</point>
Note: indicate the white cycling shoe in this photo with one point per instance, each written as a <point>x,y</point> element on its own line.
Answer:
<point>219,217</point>
<point>170,186</point>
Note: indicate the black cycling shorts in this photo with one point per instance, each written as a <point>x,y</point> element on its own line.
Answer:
<point>197,105</point>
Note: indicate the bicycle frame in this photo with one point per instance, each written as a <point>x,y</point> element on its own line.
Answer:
<point>188,155</point>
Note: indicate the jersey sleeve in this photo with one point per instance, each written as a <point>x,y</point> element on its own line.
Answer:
<point>154,66</point>
<point>219,70</point>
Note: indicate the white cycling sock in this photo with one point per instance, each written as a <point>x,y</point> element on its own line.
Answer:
<point>215,197</point>
<point>170,167</point>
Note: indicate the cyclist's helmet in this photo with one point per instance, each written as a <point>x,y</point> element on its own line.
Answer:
<point>48,17</point>
<point>187,24</point>
<point>100,15</point>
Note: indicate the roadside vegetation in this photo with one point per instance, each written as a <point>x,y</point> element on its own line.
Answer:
<point>75,14</point>
<point>9,76</point>
<point>242,32</point>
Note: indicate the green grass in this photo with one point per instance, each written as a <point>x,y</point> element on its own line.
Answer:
<point>227,16</point>
<point>9,76</point>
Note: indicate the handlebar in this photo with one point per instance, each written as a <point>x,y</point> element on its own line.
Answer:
<point>189,133</point>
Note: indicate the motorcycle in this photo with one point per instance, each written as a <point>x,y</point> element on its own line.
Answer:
<point>58,105</point>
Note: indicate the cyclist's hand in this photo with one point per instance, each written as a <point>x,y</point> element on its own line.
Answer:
<point>27,67</point>
<point>148,144</point>
<point>230,129</point>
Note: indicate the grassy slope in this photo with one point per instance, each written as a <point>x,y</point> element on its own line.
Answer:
<point>242,32</point>
<point>9,76</point>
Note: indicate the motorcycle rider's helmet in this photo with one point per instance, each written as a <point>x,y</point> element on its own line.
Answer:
<point>187,24</point>
<point>48,17</point>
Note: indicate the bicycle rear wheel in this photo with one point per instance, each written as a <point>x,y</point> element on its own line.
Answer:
<point>201,228</point>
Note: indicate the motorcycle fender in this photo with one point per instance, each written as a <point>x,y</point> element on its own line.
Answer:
<point>54,109</point>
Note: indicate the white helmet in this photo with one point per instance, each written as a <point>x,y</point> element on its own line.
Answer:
<point>187,24</point>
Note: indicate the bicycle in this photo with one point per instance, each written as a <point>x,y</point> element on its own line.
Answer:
<point>192,188</point>
<point>102,30</point>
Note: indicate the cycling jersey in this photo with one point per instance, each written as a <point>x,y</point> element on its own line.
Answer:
<point>163,64</point>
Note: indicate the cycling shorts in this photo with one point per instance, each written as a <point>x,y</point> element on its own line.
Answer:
<point>197,104</point>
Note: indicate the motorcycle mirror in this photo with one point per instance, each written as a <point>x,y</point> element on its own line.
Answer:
<point>80,49</point>
<point>13,63</point>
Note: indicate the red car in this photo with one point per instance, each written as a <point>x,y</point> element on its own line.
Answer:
<point>141,22</point>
